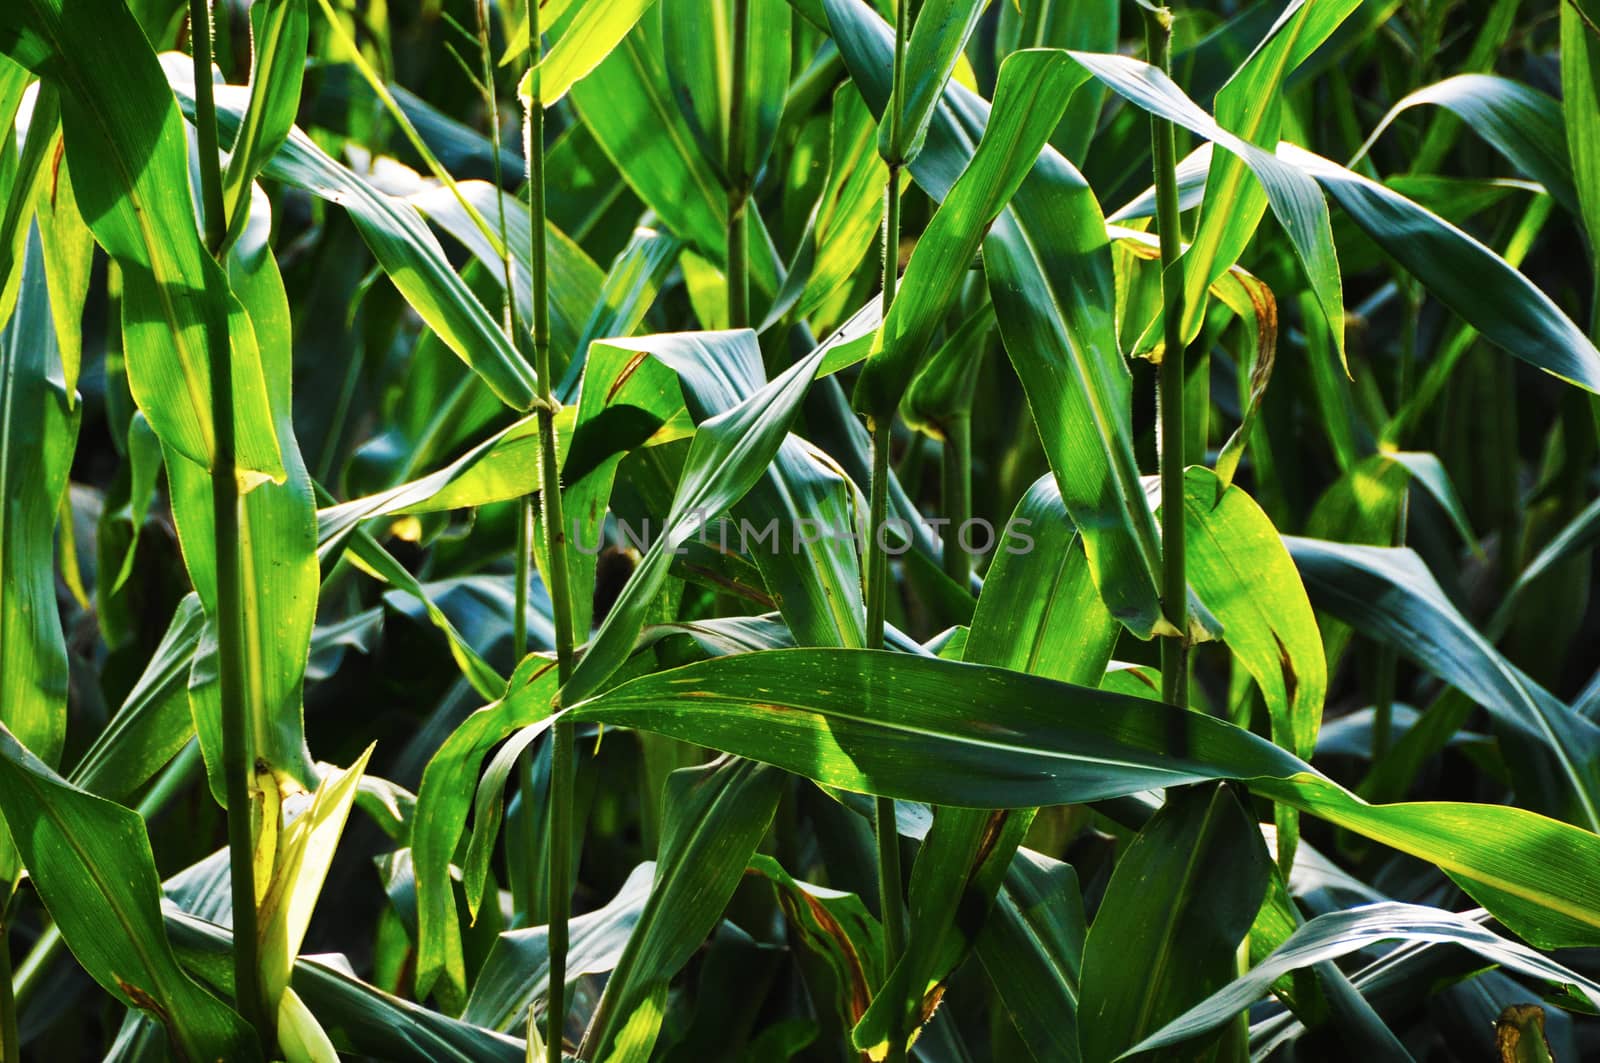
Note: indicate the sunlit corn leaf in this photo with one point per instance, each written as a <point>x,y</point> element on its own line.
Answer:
<point>846,217</point>
<point>727,456</point>
<point>38,431</point>
<point>126,149</point>
<point>627,105</point>
<point>1049,272</point>
<point>697,37</point>
<point>277,552</point>
<point>828,714</point>
<point>938,36</point>
<point>278,33</point>
<point>407,251</point>
<point>590,30</point>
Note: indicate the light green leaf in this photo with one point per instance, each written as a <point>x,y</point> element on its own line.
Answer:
<point>300,865</point>
<point>125,144</point>
<point>278,33</point>
<point>1295,199</point>
<point>405,248</point>
<point>277,554</point>
<point>593,29</point>
<point>1251,106</point>
<point>901,725</point>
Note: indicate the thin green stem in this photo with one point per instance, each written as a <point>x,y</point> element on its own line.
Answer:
<point>891,896</point>
<point>237,763</point>
<point>1169,382</point>
<point>738,180</point>
<point>524,558</point>
<point>955,489</point>
<point>561,770</point>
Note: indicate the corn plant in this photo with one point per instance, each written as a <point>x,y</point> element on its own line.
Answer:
<point>799,529</point>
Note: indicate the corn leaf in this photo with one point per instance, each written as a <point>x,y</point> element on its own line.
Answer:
<point>90,860</point>
<point>1164,937</point>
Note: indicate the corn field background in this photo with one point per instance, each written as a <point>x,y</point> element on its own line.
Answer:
<point>799,529</point>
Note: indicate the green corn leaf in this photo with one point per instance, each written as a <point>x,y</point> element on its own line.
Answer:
<point>441,816</point>
<point>154,721</point>
<point>628,106</point>
<point>837,927</point>
<point>1390,594</point>
<point>1032,950</point>
<point>1522,123</point>
<point>592,29</point>
<point>942,391</point>
<point>1090,27</point>
<point>846,218</point>
<point>1251,106</point>
<point>1337,934</point>
<point>277,555</point>
<point>68,258</point>
<point>125,145</point>
<point>1164,936</point>
<point>406,250</point>
<point>1580,111</point>
<point>830,715</point>
<point>1293,195</point>
<point>715,817</point>
<point>1237,564</point>
<point>1461,273</point>
<point>38,432</point>
<point>278,31</point>
<point>1032,93</point>
<point>697,38</point>
<point>1050,277</point>
<point>630,287</point>
<point>366,1020</point>
<point>1065,634</point>
<point>516,972</point>
<point>937,39</point>
<point>574,280</point>
<point>90,860</point>
<point>728,455</point>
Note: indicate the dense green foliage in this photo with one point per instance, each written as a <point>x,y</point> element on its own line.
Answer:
<point>817,529</point>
